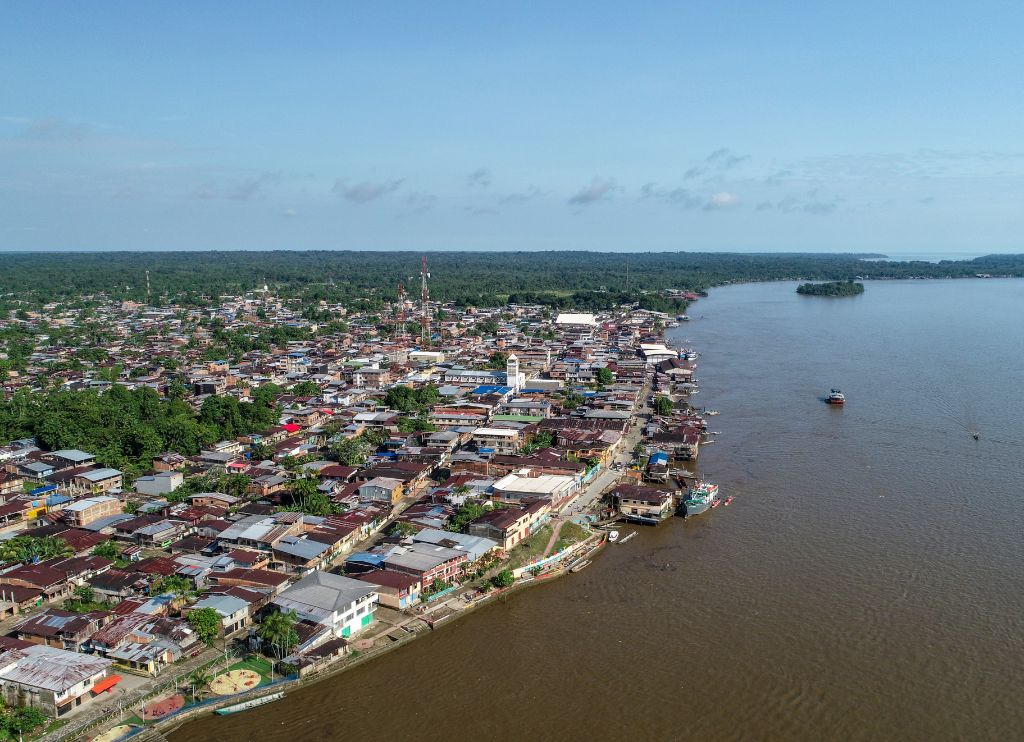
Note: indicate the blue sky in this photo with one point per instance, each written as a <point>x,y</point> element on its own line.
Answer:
<point>744,126</point>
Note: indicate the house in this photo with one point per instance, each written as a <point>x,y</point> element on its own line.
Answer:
<point>510,526</point>
<point>56,628</point>
<point>161,483</point>
<point>394,589</point>
<point>497,440</point>
<point>300,553</point>
<point>213,499</point>
<point>556,488</point>
<point>49,679</point>
<point>475,547</point>
<point>144,643</point>
<point>643,504</point>
<point>89,509</point>
<point>343,605</point>
<point>381,489</point>
<point>428,562</point>
<point>99,480</point>
<point>234,612</point>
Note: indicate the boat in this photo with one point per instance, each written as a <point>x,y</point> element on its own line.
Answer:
<point>627,537</point>
<point>579,565</point>
<point>700,498</point>
<point>836,397</point>
<point>712,413</point>
<point>246,705</point>
<point>728,500</point>
<point>716,503</point>
<point>613,536</point>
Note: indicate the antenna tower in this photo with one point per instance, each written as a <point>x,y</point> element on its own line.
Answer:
<point>424,303</point>
<point>400,312</point>
<point>149,294</point>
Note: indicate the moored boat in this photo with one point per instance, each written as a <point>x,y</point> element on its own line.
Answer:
<point>613,536</point>
<point>246,705</point>
<point>836,397</point>
<point>700,498</point>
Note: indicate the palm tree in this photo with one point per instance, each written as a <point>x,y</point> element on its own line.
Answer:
<point>200,681</point>
<point>278,630</point>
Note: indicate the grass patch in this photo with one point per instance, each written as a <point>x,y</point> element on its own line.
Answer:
<point>571,533</point>
<point>532,548</point>
<point>256,664</point>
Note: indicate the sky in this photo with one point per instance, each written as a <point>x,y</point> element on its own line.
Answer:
<point>721,126</point>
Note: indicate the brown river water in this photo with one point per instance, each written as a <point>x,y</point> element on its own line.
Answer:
<point>867,583</point>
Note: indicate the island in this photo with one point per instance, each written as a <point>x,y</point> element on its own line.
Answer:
<point>831,288</point>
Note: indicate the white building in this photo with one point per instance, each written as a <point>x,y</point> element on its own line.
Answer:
<point>503,441</point>
<point>343,605</point>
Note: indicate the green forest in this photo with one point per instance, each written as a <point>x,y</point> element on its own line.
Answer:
<point>584,280</point>
<point>831,288</point>
<point>127,428</point>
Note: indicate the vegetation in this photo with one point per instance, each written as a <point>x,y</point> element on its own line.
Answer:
<point>175,585</point>
<point>16,723</point>
<point>366,279</point>
<point>306,498</point>
<point>435,587</point>
<point>127,428</point>
<point>663,406</point>
<point>200,682</point>
<point>84,601</point>
<point>571,533</point>
<point>543,439</point>
<point>108,550</point>
<point>503,579</point>
<point>206,622</point>
<point>28,548</point>
<point>407,399</point>
<point>278,631</point>
<point>832,288</point>
<point>466,514</point>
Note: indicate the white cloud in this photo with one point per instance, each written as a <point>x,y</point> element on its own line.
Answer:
<point>722,200</point>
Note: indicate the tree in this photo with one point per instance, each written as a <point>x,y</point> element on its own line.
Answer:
<point>278,630</point>
<point>306,389</point>
<point>351,452</point>
<point>503,579</point>
<point>206,622</point>
<point>663,406</point>
<point>108,550</point>
<point>200,681</point>
<point>498,360</point>
<point>176,585</point>
<point>403,528</point>
<point>466,514</point>
<point>605,376</point>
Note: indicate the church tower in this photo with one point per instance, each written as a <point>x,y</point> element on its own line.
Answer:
<point>513,378</point>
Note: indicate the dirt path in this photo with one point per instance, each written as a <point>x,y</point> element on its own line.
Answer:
<point>557,529</point>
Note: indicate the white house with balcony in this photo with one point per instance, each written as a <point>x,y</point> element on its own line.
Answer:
<point>343,605</point>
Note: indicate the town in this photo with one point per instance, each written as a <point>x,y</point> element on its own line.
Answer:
<point>207,500</point>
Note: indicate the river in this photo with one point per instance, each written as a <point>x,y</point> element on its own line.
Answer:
<point>867,583</point>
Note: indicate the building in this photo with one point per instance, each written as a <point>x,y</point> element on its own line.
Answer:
<point>557,488</point>
<point>87,510</point>
<point>510,526</point>
<point>161,483</point>
<point>381,489</point>
<point>428,562</point>
<point>395,589</point>
<point>343,605</point>
<point>51,680</point>
<point>99,480</point>
<point>497,440</point>
<point>643,504</point>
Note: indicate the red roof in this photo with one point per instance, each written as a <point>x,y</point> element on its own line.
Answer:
<point>292,427</point>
